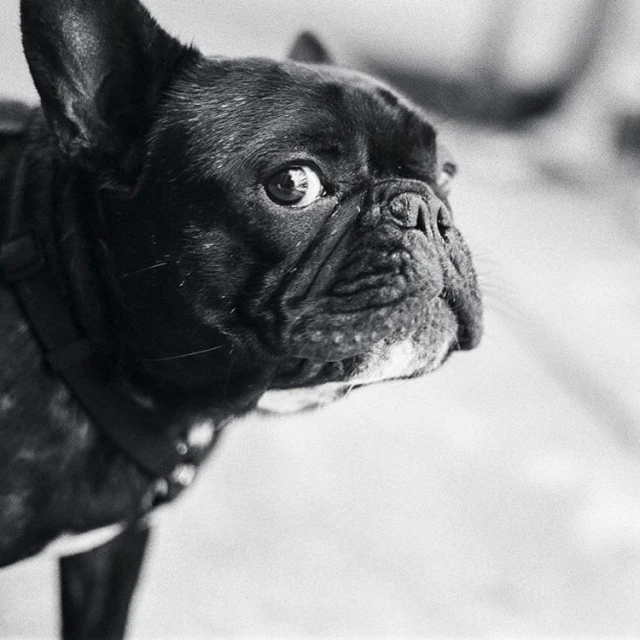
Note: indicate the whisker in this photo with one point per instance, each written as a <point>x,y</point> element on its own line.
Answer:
<point>182,355</point>
<point>133,273</point>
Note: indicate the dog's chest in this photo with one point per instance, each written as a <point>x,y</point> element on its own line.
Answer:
<point>58,472</point>
<point>32,410</point>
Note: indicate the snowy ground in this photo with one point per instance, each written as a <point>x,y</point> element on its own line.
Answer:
<point>498,496</point>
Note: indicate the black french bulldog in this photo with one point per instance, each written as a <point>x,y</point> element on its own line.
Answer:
<point>217,233</point>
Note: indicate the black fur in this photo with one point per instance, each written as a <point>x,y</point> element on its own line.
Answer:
<point>147,173</point>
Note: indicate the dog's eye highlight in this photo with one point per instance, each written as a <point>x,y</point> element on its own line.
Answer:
<point>295,187</point>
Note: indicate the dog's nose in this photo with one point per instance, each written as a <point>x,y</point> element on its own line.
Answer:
<point>414,211</point>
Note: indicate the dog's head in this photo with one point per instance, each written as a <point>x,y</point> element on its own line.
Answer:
<point>268,225</point>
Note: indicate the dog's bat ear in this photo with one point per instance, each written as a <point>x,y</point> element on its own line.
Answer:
<point>100,68</point>
<point>308,48</point>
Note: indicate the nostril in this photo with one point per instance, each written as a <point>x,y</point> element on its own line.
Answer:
<point>422,217</point>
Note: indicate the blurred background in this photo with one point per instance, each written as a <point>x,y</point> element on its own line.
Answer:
<point>501,494</point>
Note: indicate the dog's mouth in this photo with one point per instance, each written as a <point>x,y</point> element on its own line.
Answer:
<point>412,349</point>
<point>323,334</point>
<point>415,338</point>
<point>307,383</point>
<point>420,336</point>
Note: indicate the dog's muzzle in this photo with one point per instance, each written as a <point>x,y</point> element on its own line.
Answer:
<point>389,263</point>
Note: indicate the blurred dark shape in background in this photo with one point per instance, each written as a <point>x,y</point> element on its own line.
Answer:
<point>573,56</point>
<point>487,102</point>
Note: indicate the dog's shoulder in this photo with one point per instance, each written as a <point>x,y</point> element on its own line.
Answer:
<point>36,410</point>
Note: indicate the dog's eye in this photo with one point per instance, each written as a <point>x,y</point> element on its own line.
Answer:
<point>295,187</point>
<point>445,177</point>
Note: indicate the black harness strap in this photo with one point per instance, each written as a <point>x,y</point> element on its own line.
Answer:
<point>23,264</point>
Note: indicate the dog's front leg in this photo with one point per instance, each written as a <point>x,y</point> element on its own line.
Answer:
<point>97,586</point>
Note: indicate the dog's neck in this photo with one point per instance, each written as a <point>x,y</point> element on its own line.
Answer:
<point>55,205</point>
<point>63,200</point>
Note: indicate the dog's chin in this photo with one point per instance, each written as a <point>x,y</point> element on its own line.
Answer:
<point>308,384</point>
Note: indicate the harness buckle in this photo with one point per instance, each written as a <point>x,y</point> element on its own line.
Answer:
<point>21,258</point>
